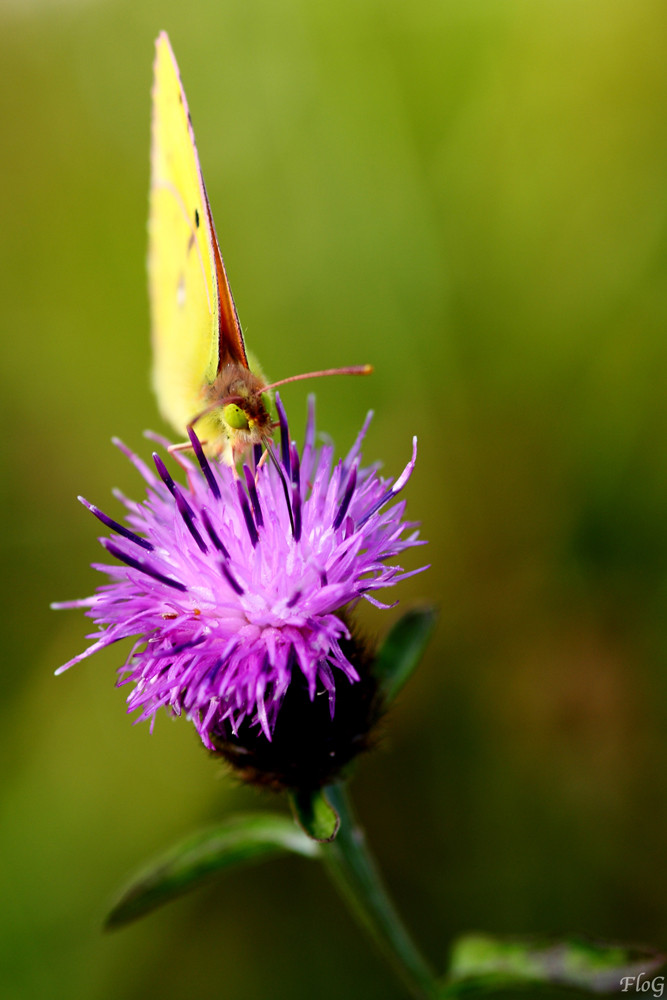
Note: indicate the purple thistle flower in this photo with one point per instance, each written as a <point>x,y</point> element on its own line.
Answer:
<point>237,586</point>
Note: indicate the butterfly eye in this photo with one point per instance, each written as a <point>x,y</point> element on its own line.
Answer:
<point>234,417</point>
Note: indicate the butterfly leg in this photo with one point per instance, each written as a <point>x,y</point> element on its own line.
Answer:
<point>176,449</point>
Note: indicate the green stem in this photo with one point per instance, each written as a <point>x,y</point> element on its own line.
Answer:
<point>352,868</point>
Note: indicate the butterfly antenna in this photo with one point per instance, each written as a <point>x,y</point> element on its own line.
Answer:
<point>352,370</point>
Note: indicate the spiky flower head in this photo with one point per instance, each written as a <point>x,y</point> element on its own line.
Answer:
<point>237,587</point>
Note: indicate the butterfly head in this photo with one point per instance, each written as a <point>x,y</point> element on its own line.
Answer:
<point>236,414</point>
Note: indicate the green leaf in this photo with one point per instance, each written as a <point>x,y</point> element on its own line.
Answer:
<point>402,650</point>
<point>239,840</point>
<point>315,815</point>
<point>482,964</point>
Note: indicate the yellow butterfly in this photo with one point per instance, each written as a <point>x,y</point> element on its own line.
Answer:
<point>201,372</point>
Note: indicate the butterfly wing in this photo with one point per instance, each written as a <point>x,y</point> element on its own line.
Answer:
<point>195,327</point>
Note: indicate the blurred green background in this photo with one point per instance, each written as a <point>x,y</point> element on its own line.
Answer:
<point>472,196</point>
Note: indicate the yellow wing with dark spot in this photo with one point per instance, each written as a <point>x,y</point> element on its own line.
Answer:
<point>195,328</point>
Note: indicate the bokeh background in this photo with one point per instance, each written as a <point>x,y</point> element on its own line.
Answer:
<point>472,196</point>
